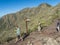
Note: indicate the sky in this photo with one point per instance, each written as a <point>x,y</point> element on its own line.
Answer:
<point>12,6</point>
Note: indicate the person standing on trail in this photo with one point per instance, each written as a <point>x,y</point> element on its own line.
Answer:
<point>39,27</point>
<point>58,26</point>
<point>17,33</point>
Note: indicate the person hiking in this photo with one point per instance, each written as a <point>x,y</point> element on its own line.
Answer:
<point>18,33</point>
<point>58,26</point>
<point>25,35</point>
<point>39,27</point>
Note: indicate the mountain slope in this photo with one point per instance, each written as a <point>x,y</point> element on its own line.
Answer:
<point>49,36</point>
<point>44,13</point>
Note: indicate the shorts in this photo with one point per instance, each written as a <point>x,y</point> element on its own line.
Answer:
<point>18,36</point>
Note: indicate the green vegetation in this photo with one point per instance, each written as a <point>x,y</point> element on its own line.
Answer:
<point>44,13</point>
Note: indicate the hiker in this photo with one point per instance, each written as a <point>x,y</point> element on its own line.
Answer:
<point>58,26</point>
<point>25,35</point>
<point>39,27</point>
<point>17,33</point>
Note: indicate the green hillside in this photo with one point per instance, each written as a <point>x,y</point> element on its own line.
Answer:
<point>44,13</point>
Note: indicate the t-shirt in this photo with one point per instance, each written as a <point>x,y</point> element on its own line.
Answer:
<point>18,31</point>
<point>39,28</point>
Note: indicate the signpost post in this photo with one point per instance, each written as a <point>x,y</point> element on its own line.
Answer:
<point>27,20</point>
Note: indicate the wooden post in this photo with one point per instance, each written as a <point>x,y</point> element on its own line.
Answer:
<point>26,27</point>
<point>27,20</point>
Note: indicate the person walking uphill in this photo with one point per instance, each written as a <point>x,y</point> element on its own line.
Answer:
<point>17,33</point>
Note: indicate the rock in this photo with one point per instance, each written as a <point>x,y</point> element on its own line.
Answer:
<point>51,41</point>
<point>58,40</point>
<point>29,43</point>
<point>37,43</point>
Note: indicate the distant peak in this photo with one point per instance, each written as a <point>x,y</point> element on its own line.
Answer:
<point>26,8</point>
<point>45,4</point>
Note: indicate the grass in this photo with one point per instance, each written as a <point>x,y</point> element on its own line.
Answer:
<point>7,35</point>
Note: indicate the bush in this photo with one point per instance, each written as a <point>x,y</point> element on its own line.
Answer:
<point>29,31</point>
<point>9,39</point>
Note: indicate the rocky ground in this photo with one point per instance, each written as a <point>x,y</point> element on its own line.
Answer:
<point>48,36</point>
